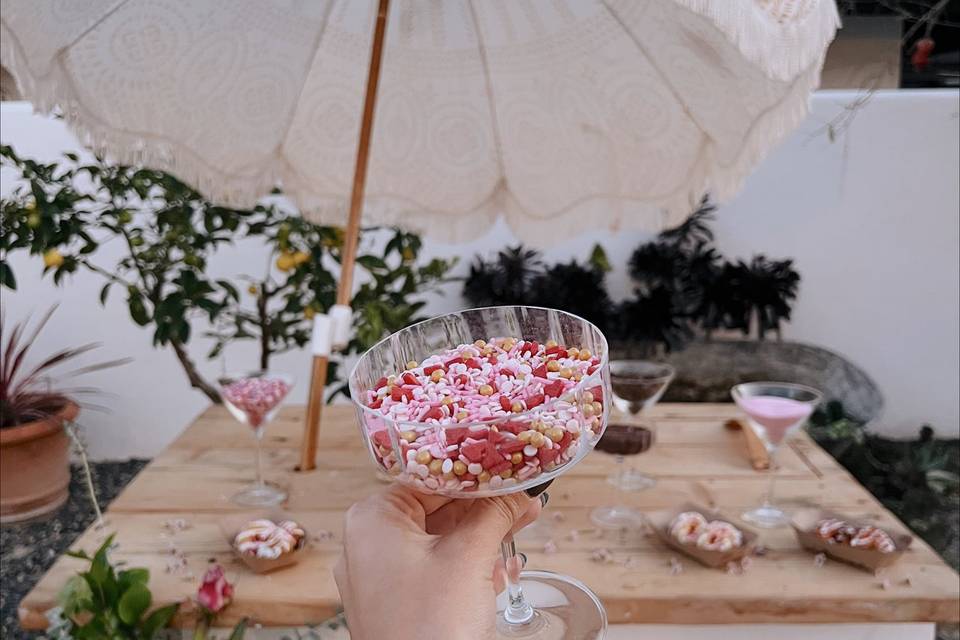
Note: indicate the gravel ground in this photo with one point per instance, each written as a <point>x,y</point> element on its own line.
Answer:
<point>28,549</point>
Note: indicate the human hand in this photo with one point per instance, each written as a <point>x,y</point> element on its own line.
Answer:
<point>422,566</point>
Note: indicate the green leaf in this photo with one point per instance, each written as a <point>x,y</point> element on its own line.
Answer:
<point>104,292</point>
<point>75,596</point>
<point>599,260</point>
<point>133,603</point>
<point>239,630</point>
<point>129,577</point>
<point>7,278</point>
<point>371,263</point>
<point>157,620</point>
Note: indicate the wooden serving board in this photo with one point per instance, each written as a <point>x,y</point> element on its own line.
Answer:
<point>694,459</point>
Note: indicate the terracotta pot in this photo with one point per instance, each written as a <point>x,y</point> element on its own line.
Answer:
<point>35,467</point>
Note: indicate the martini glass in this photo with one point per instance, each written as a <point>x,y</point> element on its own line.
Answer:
<point>774,410</point>
<point>637,386</point>
<point>254,398</point>
<point>536,604</point>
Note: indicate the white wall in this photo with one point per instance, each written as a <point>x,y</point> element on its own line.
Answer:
<point>871,219</point>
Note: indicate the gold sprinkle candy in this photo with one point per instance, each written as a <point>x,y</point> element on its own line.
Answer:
<point>516,407</point>
<point>447,400</point>
<point>566,372</point>
<point>537,439</point>
<point>484,476</point>
<point>506,473</point>
<point>525,436</point>
<point>597,408</point>
<point>516,458</point>
<point>412,364</point>
<point>553,365</point>
<point>423,457</point>
<point>555,434</point>
<point>459,467</point>
<point>437,375</point>
<point>587,396</point>
<point>549,344</point>
<point>461,415</point>
<point>588,411</point>
<point>573,353</point>
<point>485,390</point>
<point>585,354</point>
<point>409,436</point>
<point>436,466</point>
<point>480,344</point>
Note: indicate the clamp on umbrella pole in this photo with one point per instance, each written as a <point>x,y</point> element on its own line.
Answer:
<point>334,330</point>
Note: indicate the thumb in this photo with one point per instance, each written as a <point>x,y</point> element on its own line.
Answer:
<point>491,519</point>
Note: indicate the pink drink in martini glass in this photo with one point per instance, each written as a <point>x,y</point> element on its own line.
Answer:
<point>254,399</point>
<point>774,409</point>
<point>776,416</point>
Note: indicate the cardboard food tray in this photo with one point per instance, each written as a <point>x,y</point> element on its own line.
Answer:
<point>232,524</point>
<point>804,525</point>
<point>660,522</point>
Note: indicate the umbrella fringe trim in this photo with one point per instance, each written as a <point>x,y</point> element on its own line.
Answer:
<point>768,43</point>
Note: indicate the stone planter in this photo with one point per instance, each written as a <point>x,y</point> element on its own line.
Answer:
<point>35,467</point>
<point>707,369</point>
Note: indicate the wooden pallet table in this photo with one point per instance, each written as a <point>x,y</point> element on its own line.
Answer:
<point>695,458</point>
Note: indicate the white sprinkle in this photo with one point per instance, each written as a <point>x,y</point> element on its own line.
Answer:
<point>475,468</point>
<point>447,465</point>
<point>529,451</point>
<point>423,470</point>
<point>496,482</point>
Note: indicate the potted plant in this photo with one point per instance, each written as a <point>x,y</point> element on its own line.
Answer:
<point>34,447</point>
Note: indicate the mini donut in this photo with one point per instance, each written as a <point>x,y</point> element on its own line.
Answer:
<point>720,536</point>
<point>293,528</point>
<point>834,530</point>
<point>687,527</point>
<point>873,538</point>
<point>265,539</point>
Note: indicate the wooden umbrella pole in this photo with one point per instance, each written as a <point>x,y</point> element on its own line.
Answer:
<point>318,378</point>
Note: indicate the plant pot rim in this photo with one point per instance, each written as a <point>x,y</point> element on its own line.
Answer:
<point>40,428</point>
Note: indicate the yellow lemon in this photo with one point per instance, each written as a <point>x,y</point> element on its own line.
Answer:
<point>285,262</point>
<point>52,258</point>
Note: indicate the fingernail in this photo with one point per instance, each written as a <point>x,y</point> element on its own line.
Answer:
<point>533,492</point>
<point>523,559</point>
<point>544,499</point>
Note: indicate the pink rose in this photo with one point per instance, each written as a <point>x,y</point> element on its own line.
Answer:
<point>214,592</point>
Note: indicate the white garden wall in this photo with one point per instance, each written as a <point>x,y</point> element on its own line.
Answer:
<point>871,220</point>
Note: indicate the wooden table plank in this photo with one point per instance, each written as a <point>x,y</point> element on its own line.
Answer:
<point>695,458</point>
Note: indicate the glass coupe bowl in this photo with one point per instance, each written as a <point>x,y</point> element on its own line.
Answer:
<point>394,441</point>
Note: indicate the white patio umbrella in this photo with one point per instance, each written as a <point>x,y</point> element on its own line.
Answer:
<point>559,115</point>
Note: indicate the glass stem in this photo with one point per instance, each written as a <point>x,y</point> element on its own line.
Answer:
<point>518,611</point>
<point>768,499</point>
<point>621,479</point>
<point>259,434</point>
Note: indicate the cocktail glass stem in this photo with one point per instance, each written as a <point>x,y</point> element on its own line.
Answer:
<point>768,498</point>
<point>259,435</point>
<point>518,610</point>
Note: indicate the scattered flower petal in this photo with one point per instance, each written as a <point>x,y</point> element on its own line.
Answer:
<point>676,567</point>
<point>602,556</point>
